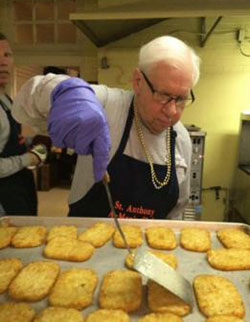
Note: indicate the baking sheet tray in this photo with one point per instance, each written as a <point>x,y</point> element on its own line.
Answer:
<point>107,258</point>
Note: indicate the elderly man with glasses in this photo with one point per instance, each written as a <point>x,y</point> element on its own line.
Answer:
<point>135,135</point>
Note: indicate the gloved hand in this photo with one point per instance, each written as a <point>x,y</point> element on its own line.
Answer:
<point>77,121</point>
<point>40,151</point>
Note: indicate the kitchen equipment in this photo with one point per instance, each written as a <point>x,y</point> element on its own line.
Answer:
<point>194,207</point>
<point>151,266</point>
<point>240,196</point>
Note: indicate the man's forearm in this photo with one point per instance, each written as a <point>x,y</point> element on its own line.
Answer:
<point>11,165</point>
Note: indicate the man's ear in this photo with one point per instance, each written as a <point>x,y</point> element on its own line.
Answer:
<point>136,81</point>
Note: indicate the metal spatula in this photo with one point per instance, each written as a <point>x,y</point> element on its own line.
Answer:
<point>151,266</point>
<point>106,181</point>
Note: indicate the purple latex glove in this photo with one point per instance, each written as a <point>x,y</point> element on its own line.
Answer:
<point>77,121</point>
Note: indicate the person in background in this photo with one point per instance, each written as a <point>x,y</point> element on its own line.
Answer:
<point>17,187</point>
<point>53,70</point>
<point>135,135</point>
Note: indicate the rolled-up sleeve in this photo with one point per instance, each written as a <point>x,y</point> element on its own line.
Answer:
<point>9,165</point>
<point>32,103</point>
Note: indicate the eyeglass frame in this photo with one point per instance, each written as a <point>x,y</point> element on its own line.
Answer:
<point>178,100</point>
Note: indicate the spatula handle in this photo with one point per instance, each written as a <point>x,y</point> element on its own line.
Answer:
<point>106,180</point>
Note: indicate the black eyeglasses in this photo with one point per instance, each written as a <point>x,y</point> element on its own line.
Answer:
<point>165,98</point>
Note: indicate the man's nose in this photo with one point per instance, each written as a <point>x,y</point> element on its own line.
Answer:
<point>170,108</point>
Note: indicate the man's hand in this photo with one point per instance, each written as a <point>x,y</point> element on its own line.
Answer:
<point>38,155</point>
<point>77,120</point>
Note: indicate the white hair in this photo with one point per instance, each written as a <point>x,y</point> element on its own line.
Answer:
<point>170,50</point>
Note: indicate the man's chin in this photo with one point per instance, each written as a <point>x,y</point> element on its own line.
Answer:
<point>156,130</point>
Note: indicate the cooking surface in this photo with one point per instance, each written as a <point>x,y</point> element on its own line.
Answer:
<point>106,258</point>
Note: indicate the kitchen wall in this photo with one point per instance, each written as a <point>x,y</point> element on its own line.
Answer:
<point>223,90</point>
<point>82,54</point>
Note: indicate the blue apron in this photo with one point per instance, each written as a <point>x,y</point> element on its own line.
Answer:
<point>131,187</point>
<point>17,191</point>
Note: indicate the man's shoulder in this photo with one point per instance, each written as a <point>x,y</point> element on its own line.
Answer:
<point>112,96</point>
<point>183,140</point>
<point>182,132</point>
<point>103,90</point>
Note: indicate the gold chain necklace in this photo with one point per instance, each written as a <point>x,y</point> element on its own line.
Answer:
<point>157,183</point>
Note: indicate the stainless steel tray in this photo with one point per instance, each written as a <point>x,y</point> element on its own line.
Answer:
<point>108,257</point>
